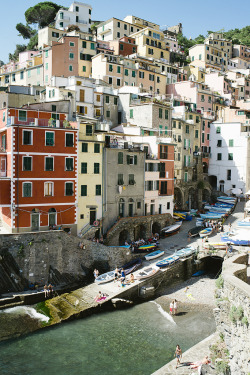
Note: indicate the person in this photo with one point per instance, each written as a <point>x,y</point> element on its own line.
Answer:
<point>178,355</point>
<point>123,277</point>
<point>117,274</point>
<point>99,296</point>
<point>132,278</point>
<point>96,273</point>
<point>175,307</point>
<point>46,290</point>
<point>171,306</point>
<point>50,290</point>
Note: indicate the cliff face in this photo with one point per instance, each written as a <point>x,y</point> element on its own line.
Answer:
<point>233,313</point>
<point>54,257</point>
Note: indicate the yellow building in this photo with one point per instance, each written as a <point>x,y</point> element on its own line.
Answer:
<point>87,49</point>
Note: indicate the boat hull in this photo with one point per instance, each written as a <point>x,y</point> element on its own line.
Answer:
<point>154,255</point>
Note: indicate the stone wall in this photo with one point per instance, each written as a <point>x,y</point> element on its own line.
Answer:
<point>53,256</point>
<point>232,323</point>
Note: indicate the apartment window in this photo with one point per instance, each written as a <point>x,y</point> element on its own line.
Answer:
<point>186,177</point>
<point>98,98</point>
<point>84,168</point>
<point>98,190</point>
<point>110,68</point>
<point>118,69</point>
<point>151,77</point>
<point>27,137</point>
<point>22,116</point>
<point>166,114</point>
<point>84,68</point>
<point>131,113</point>
<point>126,72</point>
<point>132,159</point>
<point>27,163</point>
<point>70,68</point>
<point>219,156</point>
<point>141,75</point>
<point>61,15</point>
<point>231,143</point>
<point>72,44</point>
<point>49,138</point>
<point>107,99</point>
<point>229,174</point>
<point>21,75</point>
<point>69,164</point>
<point>196,133</point>
<point>163,152</point>
<point>110,80</point>
<point>84,44</point>
<point>118,35</point>
<point>197,120</point>
<point>120,157</point>
<point>48,189</point>
<point>61,24</point>
<point>71,56</point>
<point>96,148</point>
<point>133,73</point>
<point>219,143</point>
<point>179,126</point>
<point>230,156</point>
<point>118,82</point>
<point>202,98</point>
<point>164,187</point>
<point>125,27</point>
<point>160,112</point>
<point>69,141</point>
<point>29,73</point>
<point>84,147</point>
<point>120,179</point>
<point>49,164</point>
<point>179,138</point>
<point>131,179</point>
<point>115,101</point>
<point>96,168</point>
<point>121,47</point>
<point>118,24</point>
<point>208,137</point>
<point>187,129</point>
<point>55,35</point>
<point>27,189</point>
<point>83,190</point>
<point>107,114</point>
<point>89,11</point>
<point>89,130</point>
<point>218,130</point>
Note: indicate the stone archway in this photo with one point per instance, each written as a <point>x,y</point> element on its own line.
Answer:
<point>178,198</point>
<point>213,182</point>
<point>123,236</point>
<point>156,228</point>
<point>206,195</point>
<point>140,232</point>
<point>192,198</point>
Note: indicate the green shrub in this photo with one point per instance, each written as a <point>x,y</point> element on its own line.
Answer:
<point>222,367</point>
<point>244,321</point>
<point>239,313</point>
<point>219,282</point>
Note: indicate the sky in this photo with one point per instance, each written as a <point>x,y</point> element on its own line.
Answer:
<point>196,16</point>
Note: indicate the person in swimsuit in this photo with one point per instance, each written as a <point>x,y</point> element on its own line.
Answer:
<point>178,355</point>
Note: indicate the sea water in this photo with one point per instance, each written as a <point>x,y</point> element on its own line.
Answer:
<point>135,341</point>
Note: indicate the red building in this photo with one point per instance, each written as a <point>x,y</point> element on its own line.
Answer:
<point>166,177</point>
<point>38,170</point>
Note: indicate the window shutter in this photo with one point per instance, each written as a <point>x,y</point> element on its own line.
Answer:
<point>128,159</point>
<point>135,159</point>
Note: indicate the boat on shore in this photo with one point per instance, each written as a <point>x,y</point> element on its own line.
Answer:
<point>241,238</point>
<point>168,261</point>
<point>211,216</point>
<point>205,232</point>
<point>195,231</point>
<point>147,272</point>
<point>132,266</point>
<point>144,248</point>
<point>215,245</point>
<point>185,252</point>
<point>105,277</point>
<point>217,209</point>
<point>154,255</point>
<point>172,229</point>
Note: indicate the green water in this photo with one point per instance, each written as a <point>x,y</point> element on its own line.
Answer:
<point>135,341</point>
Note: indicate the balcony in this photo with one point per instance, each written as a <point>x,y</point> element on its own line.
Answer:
<point>31,121</point>
<point>103,126</point>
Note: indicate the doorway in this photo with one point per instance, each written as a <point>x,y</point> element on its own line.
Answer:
<point>131,207</point>
<point>34,222</point>
<point>92,216</point>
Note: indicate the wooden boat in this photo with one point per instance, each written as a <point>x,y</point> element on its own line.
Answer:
<point>226,200</point>
<point>205,232</point>
<point>217,209</point>
<point>186,252</point>
<point>155,254</point>
<point>241,238</point>
<point>105,277</point>
<point>147,272</point>
<point>225,205</point>
<point>132,266</point>
<point>215,245</point>
<point>211,216</point>
<point>145,248</point>
<point>167,261</point>
<point>172,229</point>
<point>195,231</point>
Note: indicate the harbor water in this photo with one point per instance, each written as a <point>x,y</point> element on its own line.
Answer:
<point>135,341</point>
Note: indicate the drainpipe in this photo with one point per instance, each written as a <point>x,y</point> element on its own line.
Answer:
<point>17,180</point>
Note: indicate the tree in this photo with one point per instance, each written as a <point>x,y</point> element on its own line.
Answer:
<point>42,14</point>
<point>19,48</point>
<point>25,31</point>
<point>33,43</point>
<point>73,28</point>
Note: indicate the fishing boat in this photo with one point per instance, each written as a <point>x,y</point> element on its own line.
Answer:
<point>155,254</point>
<point>217,209</point>
<point>168,261</point>
<point>239,238</point>
<point>180,215</point>
<point>195,231</point>
<point>144,248</point>
<point>199,222</point>
<point>226,205</point>
<point>186,252</point>
<point>172,229</point>
<point>244,223</point>
<point>147,272</point>
<point>215,245</point>
<point>132,266</point>
<point>226,200</point>
<point>205,232</point>
<point>193,212</point>
<point>105,277</point>
<point>212,216</point>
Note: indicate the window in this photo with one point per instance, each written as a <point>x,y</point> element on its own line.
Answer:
<point>115,101</point>
<point>164,187</point>
<point>49,138</point>
<point>219,143</point>
<point>107,99</point>
<point>118,82</point>
<point>151,77</point>
<point>89,130</point>
<point>160,112</point>
<point>197,120</point>
<point>84,147</point>
<point>96,168</point>
<point>84,68</point>
<point>49,164</point>
<point>22,116</point>
<point>118,69</point>
<point>108,114</point>
<point>163,152</point>
<point>89,11</point>
<point>110,80</point>
<point>61,15</point>
<point>21,75</point>
<point>27,189</point>
<point>118,35</point>
<point>69,191</point>
<point>27,137</point>
<point>208,137</point>
<point>229,174</point>
<point>27,163</point>
<point>110,68</point>
<point>69,140</point>
<point>121,47</point>
<point>84,168</point>
<point>69,164</point>
<point>131,179</point>
<point>133,73</point>
<point>187,129</point>
<point>186,177</point>
<point>132,159</point>
<point>230,156</point>
<point>98,190</point>
<point>48,189</point>
<point>120,157</point>
<point>120,179</point>
<point>118,24</point>
<point>131,113</point>
<point>203,137</point>
<point>55,35</point>
<point>196,133</point>
<point>219,156</point>
<point>70,68</point>
<point>84,44</point>
<point>125,27</point>
<point>218,130</point>
<point>231,143</point>
<point>96,148</point>
<point>126,72</point>
<point>166,114</point>
<point>141,74</point>
<point>138,205</point>
<point>174,124</point>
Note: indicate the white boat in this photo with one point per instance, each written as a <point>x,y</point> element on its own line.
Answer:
<point>172,228</point>
<point>215,245</point>
<point>154,254</point>
<point>147,272</point>
<point>105,277</point>
<point>244,223</point>
<point>205,232</point>
<point>185,252</point>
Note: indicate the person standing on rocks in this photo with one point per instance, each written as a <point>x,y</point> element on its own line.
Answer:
<point>178,355</point>
<point>96,273</point>
<point>175,307</point>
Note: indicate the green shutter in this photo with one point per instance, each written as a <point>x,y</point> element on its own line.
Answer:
<point>135,159</point>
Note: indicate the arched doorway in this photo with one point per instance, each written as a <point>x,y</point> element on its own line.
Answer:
<point>206,195</point>
<point>213,182</point>
<point>52,217</point>
<point>121,210</point>
<point>131,207</point>
<point>140,232</point>
<point>123,236</point>
<point>192,198</point>
<point>156,228</point>
<point>178,198</point>
<point>35,219</point>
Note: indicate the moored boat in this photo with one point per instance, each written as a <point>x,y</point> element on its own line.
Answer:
<point>185,252</point>
<point>145,248</point>
<point>155,254</point>
<point>167,261</point>
<point>132,266</point>
<point>105,277</point>
<point>147,272</point>
<point>195,231</point>
<point>172,229</point>
<point>212,216</point>
<point>241,238</point>
<point>215,245</point>
<point>205,232</point>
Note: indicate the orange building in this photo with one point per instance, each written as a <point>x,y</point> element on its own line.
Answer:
<point>38,170</point>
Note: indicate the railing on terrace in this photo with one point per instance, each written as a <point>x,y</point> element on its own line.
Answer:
<point>31,121</point>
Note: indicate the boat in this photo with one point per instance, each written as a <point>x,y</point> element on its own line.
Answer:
<point>180,215</point>
<point>185,252</point>
<point>105,277</point>
<point>198,273</point>
<point>212,216</point>
<point>132,266</point>
<point>193,212</point>
<point>244,223</point>
<point>144,248</point>
<point>195,231</point>
<point>172,229</point>
<point>225,205</point>
<point>167,261</point>
<point>239,238</point>
<point>215,245</point>
<point>217,209</point>
<point>226,200</point>
<point>155,254</point>
<point>205,232</point>
<point>147,272</point>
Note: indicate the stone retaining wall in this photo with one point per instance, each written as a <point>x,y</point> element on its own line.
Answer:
<point>232,324</point>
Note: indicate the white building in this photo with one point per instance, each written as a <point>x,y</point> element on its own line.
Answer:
<point>229,165</point>
<point>78,14</point>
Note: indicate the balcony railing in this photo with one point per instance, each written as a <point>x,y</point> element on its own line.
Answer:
<point>31,121</point>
